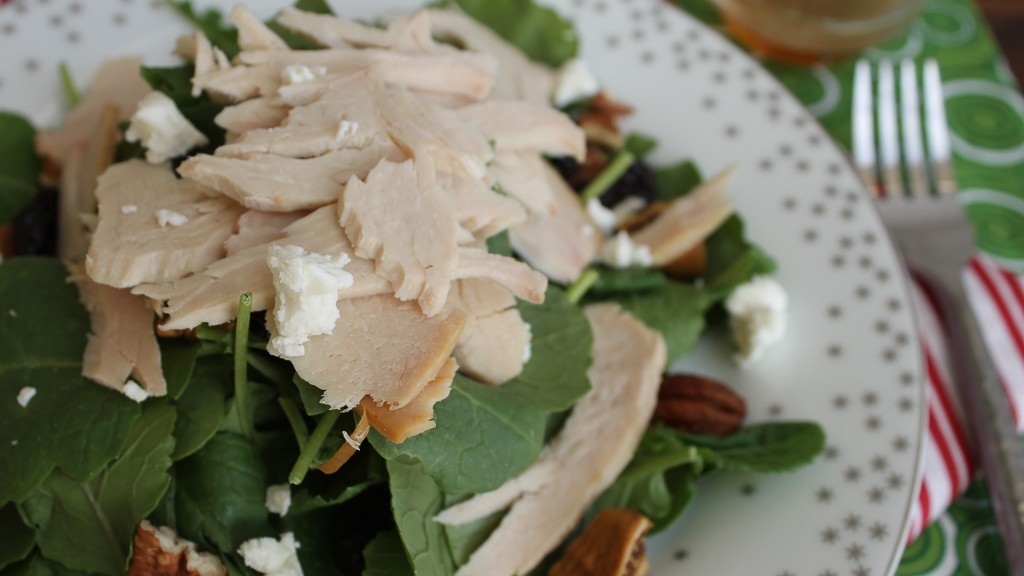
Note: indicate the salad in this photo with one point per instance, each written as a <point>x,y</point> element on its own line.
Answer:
<point>410,317</point>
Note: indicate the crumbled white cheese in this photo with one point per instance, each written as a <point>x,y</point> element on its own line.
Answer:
<point>170,218</point>
<point>620,252</point>
<point>272,557</point>
<point>306,299</point>
<point>162,129</point>
<point>278,499</point>
<point>346,128</point>
<point>14,442</point>
<point>299,73</point>
<point>608,219</point>
<point>134,392</point>
<point>587,230</point>
<point>170,544</point>
<point>757,316</point>
<point>575,82</point>
<point>12,313</point>
<point>602,217</point>
<point>129,209</point>
<point>528,347</point>
<point>25,395</point>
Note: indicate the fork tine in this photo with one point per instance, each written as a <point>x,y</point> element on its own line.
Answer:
<point>864,126</point>
<point>910,114</point>
<point>937,129</point>
<point>888,131</point>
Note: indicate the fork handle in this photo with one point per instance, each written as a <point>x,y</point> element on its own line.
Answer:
<point>992,429</point>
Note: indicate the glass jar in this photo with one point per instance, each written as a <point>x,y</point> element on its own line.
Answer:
<point>816,30</point>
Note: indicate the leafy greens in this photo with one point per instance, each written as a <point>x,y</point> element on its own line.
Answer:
<point>19,165</point>
<point>42,339</point>
<point>459,454</point>
<point>192,461</point>
<point>89,525</point>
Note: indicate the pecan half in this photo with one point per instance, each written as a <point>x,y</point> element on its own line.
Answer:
<point>157,551</point>
<point>699,405</point>
<point>612,545</point>
<point>6,241</point>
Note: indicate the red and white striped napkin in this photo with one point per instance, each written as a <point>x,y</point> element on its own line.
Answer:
<point>997,299</point>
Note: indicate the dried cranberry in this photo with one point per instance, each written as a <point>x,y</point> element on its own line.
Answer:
<point>638,181</point>
<point>567,166</point>
<point>35,227</point>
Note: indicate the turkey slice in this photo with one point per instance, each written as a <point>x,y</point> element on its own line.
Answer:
<point>401,219</point>
<point>154,227</point>
<point>121,342</point>
<point>418,415</point>
<point>381,347</point>
<point>596,443</point>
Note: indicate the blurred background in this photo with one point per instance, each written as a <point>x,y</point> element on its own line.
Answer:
<point>1007,20</point>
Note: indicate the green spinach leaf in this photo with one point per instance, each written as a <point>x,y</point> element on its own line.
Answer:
<point>486,434</point>
<point>415,499</point>
<point>677,180</point>
<point>640,144</point>
<point>320,491</point>
<point>385,556</point>
<point>500,244</point>
<point>36,565</point>
<point>211,22</point>
<point>732,259</point>
<point>324,518</point>
<point>16,539</point>
<point>311,396</point>
<point>177,360</point>
<point>556,375</point>
<point>464,539</point>
<point>202,406</point>
<point>89,525</point>
<point>540,32</point>
<point>658,482</point>
<point>19,165</point>
<point>296,41</point>
<point>675,309</point>
<point>42,338</point>
<point>163,513</point>
<point>765,448</point>
<point>316,6</point>
<point>220,492</point>
<point>638,279</point>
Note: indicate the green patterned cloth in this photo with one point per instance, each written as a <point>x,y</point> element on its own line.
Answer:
<point>986,116</point>
<point>964,542</point>
<point>986,112</point>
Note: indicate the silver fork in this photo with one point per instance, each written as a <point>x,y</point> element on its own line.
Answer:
<point>915,195</point>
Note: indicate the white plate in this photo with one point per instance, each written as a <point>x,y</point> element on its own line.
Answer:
<point>849,361</point>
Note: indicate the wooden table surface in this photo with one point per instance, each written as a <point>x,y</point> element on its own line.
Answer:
<point>1007,20</point>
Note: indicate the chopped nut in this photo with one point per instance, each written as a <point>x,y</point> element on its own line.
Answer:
<point>598,133</point>
<point>644,217</point>
<point>158,551</point>
<point>593,163</point>
<point>699,405</point>
<point>612,545</point>
<point>6,241</point>
<point>606,112</point>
